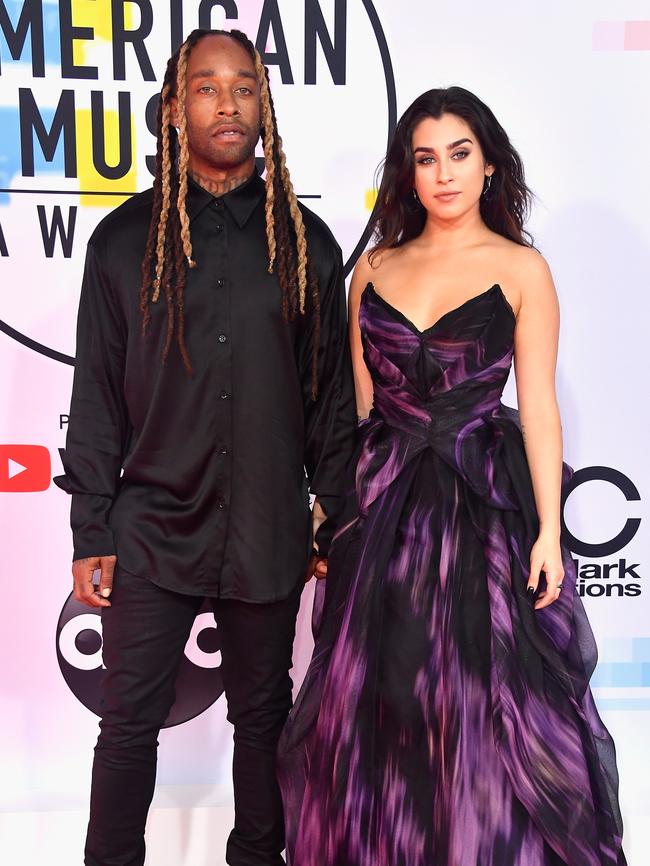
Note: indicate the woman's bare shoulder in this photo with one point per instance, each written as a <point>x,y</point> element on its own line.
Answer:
<point>521,257</point>
<point>370,264</point>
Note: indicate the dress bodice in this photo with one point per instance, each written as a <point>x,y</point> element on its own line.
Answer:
<point>466,353</point>
<point>438,388</point>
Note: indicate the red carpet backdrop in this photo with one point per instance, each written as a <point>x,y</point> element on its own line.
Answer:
<point>78,89</point>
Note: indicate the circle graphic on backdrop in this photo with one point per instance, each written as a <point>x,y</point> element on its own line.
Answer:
<point>334,91</point>
<point>619,540</point>
<point>79,652</point>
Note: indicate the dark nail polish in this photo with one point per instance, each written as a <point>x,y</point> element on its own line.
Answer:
<point>530,591</point>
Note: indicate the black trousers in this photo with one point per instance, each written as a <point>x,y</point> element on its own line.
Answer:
<point>145,632</point>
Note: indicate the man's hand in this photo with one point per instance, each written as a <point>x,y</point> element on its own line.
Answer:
<point>317,567</point>
<point>82,575</point>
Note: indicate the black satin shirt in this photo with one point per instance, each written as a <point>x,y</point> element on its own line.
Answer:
<point>200,483</point>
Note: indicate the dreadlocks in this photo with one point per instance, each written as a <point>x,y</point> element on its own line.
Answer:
<point>169,245</point>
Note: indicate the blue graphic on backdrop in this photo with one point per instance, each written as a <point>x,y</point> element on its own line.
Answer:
<point>10,163</point>
<point>625,664</point>
<point>51,40</point>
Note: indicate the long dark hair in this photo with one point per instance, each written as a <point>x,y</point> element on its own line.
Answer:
<point>504,207</point>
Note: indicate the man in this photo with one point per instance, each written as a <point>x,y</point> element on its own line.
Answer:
<point>212,370</point>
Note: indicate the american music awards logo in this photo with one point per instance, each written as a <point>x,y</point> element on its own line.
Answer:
<point>80,84</point>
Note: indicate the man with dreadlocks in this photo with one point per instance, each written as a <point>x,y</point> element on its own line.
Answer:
<point>212,389</point>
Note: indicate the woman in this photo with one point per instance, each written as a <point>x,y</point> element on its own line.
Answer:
<point>446,718</point>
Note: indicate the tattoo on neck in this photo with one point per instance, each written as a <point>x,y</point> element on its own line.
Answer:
<point>218,187</point>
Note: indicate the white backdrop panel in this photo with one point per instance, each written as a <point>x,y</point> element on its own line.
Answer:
<point>568,82</point>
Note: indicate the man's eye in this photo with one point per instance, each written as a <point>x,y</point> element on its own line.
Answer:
<point>206,88</point>
<point>245,90</point>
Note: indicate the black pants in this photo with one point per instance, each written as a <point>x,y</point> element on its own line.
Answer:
<point>145,632</point>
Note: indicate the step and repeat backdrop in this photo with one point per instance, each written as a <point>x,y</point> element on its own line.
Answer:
<point>78,88</point>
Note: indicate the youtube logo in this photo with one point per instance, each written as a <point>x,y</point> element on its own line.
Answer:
<point>24,468</point>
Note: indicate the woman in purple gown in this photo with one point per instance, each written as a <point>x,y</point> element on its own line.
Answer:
<point>446,717</point>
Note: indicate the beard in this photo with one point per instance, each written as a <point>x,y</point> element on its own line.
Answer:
<point>222,155</point>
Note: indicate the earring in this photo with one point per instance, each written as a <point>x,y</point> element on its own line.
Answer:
<point>488,182</point>
<point>416,200</point>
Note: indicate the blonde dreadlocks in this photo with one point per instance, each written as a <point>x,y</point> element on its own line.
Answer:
<point>169,245</point>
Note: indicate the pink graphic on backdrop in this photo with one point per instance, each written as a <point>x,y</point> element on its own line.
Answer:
<point>621,36</point>
<point>248,20</point>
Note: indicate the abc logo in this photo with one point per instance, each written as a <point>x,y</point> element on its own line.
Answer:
<point>630,492</point>
<point>79,651</point>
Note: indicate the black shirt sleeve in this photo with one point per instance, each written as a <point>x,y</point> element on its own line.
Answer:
<point>98,425</point>
<point>330,420</point>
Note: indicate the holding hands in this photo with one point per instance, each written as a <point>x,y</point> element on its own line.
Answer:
<point>317,564</point>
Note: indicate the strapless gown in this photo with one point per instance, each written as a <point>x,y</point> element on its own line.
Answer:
<point>443,721</point>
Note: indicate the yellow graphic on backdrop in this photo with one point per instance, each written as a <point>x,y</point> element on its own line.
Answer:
<point>370,198</point>
<point>89,177</point>
<point>95,14</point>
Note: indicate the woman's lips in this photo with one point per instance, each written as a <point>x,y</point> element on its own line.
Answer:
<point>446,196</point>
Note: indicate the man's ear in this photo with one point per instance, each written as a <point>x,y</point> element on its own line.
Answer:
<point>173,104</point>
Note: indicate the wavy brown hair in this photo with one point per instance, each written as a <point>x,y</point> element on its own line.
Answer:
<point>505,205</point>
<point>168,254</point>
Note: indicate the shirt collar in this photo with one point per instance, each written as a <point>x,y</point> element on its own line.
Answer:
<point>241,201</point>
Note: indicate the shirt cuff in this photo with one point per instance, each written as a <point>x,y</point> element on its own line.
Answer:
<point>91,533</point>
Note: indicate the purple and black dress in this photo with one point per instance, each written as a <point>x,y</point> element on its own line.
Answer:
<point>443,721</point>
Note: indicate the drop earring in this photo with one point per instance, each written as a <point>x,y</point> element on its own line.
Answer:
<point>488,183</point>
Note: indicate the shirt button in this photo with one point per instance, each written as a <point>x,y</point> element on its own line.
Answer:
<point>221,504</point>
<point>219,227</point>
<point>223,338</point>
<point>224,395</point>
<point>221,284</point>
<point>223,451</point>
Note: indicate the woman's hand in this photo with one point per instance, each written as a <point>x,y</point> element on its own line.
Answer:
<point>546,556</point>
